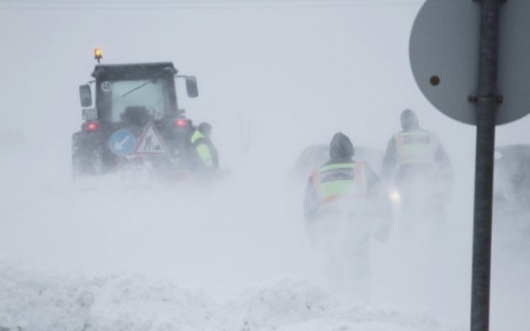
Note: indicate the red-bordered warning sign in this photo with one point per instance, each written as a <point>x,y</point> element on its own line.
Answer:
<point>150,142</point>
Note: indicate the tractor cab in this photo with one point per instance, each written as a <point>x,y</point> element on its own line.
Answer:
<point>130,111</point>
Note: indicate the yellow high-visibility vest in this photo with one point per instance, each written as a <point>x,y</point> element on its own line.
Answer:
<point>202,149</point>
<point>336,181</point>
<point>416,146</point>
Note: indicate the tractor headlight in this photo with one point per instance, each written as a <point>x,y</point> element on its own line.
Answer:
<point>395,197</point>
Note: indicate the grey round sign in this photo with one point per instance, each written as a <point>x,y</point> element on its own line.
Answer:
<point>444,54</point>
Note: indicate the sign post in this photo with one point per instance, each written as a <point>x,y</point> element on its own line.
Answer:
<point>470,60</point>
<point>486,101</point>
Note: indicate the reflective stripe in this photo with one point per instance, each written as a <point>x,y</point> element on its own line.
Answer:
<point>360,174</point>
<point>316,183</point>
<point>336,181</point>
<point>416,146</point>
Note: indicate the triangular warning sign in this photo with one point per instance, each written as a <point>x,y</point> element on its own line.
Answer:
<point>150,141</point>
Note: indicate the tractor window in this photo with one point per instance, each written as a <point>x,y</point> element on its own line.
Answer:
<point>148,94</point>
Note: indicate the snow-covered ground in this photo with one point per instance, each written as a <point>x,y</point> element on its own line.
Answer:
<point>233,256</point>
<point>106,259</point>
<point>33,300</point>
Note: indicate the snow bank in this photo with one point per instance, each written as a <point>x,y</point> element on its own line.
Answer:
<point>32,300</point>
<point>35,300</point>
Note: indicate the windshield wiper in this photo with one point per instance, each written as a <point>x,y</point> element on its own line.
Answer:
<point>139,86</point>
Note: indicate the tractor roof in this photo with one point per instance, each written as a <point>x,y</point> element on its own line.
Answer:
<point>133,70</point>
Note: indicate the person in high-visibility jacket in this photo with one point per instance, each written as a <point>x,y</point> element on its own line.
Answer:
<point>417,166</point>
<point>345,204</point>
<point>206,154</point>
<point>341,183</point>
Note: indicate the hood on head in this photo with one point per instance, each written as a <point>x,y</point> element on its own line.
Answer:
<point>341,147</point>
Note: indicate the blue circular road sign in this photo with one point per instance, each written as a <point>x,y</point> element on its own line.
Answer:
<point>122,142</point>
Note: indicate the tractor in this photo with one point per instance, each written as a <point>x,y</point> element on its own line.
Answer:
<point>131,119</point>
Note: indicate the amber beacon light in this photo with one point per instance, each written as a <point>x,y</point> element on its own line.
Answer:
<point>98,54</point>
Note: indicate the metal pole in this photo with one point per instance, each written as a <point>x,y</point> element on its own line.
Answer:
<point>486,99</point>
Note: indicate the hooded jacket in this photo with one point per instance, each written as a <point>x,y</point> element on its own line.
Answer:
<point>413,151</point>
<point>341,181</point>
